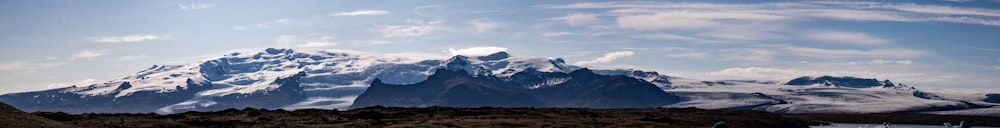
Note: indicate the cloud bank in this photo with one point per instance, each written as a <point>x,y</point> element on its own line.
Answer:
<point>608,57</point>
<point>476,51</point>
<point>361,13</point>
<point>127,38</point>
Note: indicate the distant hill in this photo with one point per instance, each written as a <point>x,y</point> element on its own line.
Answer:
<point>10,117</point>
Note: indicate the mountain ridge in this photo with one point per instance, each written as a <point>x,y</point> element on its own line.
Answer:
<point>454,88</point>
<point>334,79</point>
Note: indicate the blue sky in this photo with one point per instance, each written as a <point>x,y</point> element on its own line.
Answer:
<point>928,44</point>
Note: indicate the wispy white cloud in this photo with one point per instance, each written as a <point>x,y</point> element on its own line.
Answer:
<point>28,65</point>
<point>960,1</point>
<point>86,54</point>
<point>316,44</point>
<point>845,37</point>
<point>483,25</point>
<point>403,30</point>
<point>127,38</point>
<point>240,28</point>
<point>84,82</point>
<point>998,61</point>
<point>577,19</point>
<point>687,20</point>
<point>840,53</point>
<point>8,66</point>
<point>555,34</point>
<point>132,57</point>
<point>268,24</point>
<point>608,57</point>
<point>695,15</point>
<point>881,62</point>
<point>946,10</point>
<point>746,32</point>
<point>306,41</point>
<point>691,55</point>
<point>361,13</point>
<point>752,55</point>
<point>285,39</point>
<point>194,6</point>
<point>664,36</point>
<point>476,51</point>
<point>377,42</point>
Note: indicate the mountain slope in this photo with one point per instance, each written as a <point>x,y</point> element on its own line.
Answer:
<point>13,118</point>
<point>828,95</point>
<point>840,82</point>
<point>288,79</point>
<point>332,79</point>
<point>586,89</point>
<point>580,89</point>
<point>445,88</point>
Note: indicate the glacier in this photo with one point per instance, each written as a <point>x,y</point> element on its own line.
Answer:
<point>331,79</point>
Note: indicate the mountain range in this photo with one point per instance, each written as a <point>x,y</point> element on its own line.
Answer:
<point>289,79</point>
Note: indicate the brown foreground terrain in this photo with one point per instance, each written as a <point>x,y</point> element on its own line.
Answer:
<point>896,118</point>
<point>11,117</point>
<point>438,117</point>
<point>468,117</point>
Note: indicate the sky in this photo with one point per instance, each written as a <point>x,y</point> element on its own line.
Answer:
<point>927,43</point>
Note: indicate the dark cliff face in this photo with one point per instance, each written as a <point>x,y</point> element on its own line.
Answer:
<point>992,98</point>
<point>852,82</point>
<point>458,89</point>
<point>586,89</point>
<point>445,88</point>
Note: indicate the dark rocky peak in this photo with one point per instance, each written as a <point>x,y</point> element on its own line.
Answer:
<point>445,74</point>
<point>291,83</point>
<point>845,81</point>
<point>456,88</point>
<point>458,60</point>
<point>277,51</point>
<point>558,61</point>
<point>585,73</point>
<point>123,86</point>
<point>495,56</point>
<point>992,98</point>
<point>888,83</point>
<point>291,78</point>
<point>582,72</point>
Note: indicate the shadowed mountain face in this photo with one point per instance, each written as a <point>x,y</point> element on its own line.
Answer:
<point>586,89</point>
<point>446,88</point>
<point>840,82</point>
<point>581,88</point>
<point>273,78</point>
<point>992,98</point>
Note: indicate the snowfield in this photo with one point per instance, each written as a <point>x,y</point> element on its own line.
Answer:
<point>332,79</point>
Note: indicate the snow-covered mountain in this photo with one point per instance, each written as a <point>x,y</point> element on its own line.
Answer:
<point>579,89</point>
<point>827,94</point>
<point>328,79</point>
<point>288,79</point>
